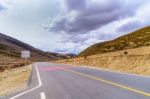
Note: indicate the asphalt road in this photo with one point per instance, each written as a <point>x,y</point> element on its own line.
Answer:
<point>54,81</point>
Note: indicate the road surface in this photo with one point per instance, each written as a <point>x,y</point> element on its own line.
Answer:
<point>55,81</point>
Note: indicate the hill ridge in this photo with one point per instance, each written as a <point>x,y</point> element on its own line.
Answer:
<point>134,39</point>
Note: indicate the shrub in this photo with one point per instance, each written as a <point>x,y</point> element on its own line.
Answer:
<point>125,52</point>
<point>2,68</point>
<point>85,57</point>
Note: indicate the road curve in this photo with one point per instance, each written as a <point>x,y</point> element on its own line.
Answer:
<point>55,81</point>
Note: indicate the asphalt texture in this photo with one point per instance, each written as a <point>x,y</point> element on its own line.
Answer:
<point>56,81</point>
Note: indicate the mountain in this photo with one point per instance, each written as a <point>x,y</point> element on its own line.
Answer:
<point>10,49</point>
<point>132,40</point>
<point>62,56</point>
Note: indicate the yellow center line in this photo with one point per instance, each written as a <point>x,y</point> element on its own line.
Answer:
<point>111,83</point>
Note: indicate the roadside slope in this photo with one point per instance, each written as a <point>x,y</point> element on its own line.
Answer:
<point>14,80</point>
<point>135,61</point>
<point>132,40</point>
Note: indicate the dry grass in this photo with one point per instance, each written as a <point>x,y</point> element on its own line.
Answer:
<point>6,59</point>
<point>136,61</point>
<point>14,79</point>
<point>12,65</point>
<point>135,39</point>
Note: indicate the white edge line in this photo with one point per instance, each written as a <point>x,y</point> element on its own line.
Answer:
<point>38,74</point>
<point>40,84</point>
<point>43,95</point>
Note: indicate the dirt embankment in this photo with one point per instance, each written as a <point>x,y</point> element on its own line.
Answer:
<point>135,61</point>
<point>14,79</point>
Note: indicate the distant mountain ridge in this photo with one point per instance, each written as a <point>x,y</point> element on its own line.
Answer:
<point>14,43</point>
<point>135,39</point>
<point>11,47</point>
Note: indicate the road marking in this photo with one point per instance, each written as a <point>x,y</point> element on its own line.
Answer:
<point>38,74</point>
<point>107,70</point>
<point>111,83</point>
<point>43,95</point>
<point>113,71</point>
<point>25,92</point>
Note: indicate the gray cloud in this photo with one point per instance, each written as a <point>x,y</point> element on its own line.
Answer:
<point>61,50</point>
<point>81,17</point>
<point>87,15</point>
<point>82,21</point>
<point>76,39</point>
<point>82,38</point>
<point>1,8</point>
<point>82,41</point>
<point>75,4</point>
<point>130,26</point>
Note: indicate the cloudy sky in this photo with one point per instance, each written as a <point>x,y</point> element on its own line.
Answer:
<point>69,26</point>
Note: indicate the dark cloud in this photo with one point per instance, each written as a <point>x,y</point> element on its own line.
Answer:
<point>82,21</point>
<point>85,15</point>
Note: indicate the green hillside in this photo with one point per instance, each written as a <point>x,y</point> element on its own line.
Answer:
<point>135,39</point>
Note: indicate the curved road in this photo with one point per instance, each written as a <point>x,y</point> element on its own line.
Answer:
<point>55,81</point>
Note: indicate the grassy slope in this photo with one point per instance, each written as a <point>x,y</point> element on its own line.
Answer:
<point>11,48</point>
<point>133,40</point>
<point>137,61</point>
<point>13,54</point>
<point>111,54</point>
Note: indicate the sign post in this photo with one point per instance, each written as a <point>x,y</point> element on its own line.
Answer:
<point>25,55</point>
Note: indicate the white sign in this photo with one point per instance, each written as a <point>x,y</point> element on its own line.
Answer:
<point>25,54</point>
